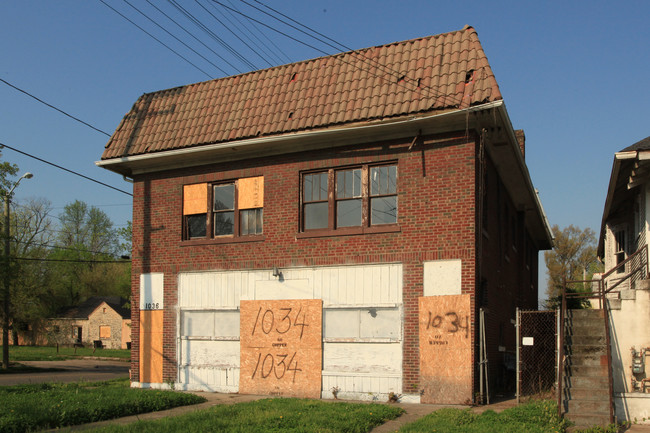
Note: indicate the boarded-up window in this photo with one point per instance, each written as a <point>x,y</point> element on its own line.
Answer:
<point>236,208</point>
<point>104,331</point>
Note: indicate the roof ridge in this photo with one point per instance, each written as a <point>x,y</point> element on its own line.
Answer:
<point>313,59</point>
<point>416,76</point>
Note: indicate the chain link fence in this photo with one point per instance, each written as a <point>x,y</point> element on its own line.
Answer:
<point>537,350</point>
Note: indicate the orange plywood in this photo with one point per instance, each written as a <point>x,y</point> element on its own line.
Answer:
<point>251,192</point>
<point>281,349</point>
<point>195,199</point>
<point>445,349</point>
<point>151,346</point>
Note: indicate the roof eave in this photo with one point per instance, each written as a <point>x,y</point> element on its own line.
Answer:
<point>619,157</point>
<point>289,142</point>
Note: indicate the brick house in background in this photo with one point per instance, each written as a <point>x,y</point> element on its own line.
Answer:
<point>331,226</point>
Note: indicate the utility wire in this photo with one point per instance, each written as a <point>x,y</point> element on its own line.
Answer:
<point>393,72</point>
<point>212,35</point>
<point>189,33</point>
<point>32,259</point>
<point>59,247</point>
<point>2,145</point>
<point>234,34</point>
<point>262,45</point>
<point>155,38</point>
<point>254,26</point>
<point>173,36</point>
<point>55,108</point>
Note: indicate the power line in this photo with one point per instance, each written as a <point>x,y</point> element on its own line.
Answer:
<point>2,145</point>
<point>32,259</point>
<point>55,108</point>
<point>385,68</point>
<point>234,34</point>
<point>213,36</point>
<point>264,46</point>
<point>155,38</point>
<point>288,59</point>
<point>189,33</point>
<point>60,248</point>
<point>173,36</point>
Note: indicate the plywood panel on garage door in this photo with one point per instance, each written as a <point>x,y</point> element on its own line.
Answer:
<point>151,346</point>
<point>445,349</point>
<point>281,347</point>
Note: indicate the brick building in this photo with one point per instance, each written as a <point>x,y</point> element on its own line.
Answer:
<point>331,226</point>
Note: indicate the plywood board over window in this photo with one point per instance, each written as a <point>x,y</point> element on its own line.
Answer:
<point>104,331</point>
<point>445,349</point>
<point>281,349</point>
<point>250,192</point>
<point>195,199</point>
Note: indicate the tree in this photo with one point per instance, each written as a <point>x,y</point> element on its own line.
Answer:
<point>86,239</point>
<point>573,258</point>
<point>31,233</point>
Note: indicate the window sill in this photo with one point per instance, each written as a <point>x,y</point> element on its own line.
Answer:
<point>222,240</point>
<point>349,231</point>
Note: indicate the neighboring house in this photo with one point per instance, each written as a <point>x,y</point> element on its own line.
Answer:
<point>623,247</point>
<point>331,227</point>
<point>99,321</point>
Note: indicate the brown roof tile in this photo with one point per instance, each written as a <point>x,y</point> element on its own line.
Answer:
<point>415,77</point>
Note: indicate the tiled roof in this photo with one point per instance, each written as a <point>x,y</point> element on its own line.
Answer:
<point>639,145</point>
<point>415,77</point>
<point>86,308</point>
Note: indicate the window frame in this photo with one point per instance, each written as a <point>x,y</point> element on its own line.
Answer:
<point>365,225</point>
<point>210,237</point>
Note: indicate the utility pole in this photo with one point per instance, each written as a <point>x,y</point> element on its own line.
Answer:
<point>7,276</point>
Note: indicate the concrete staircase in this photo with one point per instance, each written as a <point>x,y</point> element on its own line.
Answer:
<point>585,391</point>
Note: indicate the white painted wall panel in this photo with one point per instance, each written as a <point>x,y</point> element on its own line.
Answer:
<point>362,357</point>
<point>340,324</point>
<point>380,323</point>
<point>362,308</point>
<point>207,353</point>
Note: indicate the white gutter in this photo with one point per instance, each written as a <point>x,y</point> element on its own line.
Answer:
<point>288,138</point>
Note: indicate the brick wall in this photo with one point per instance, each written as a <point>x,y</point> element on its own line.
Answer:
<point>436,214</point>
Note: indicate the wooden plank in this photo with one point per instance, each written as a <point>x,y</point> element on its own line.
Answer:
<point>250,192</point>
<point>151,346</point>
<point>281,349</point>
<point>195,199</point>
<point>445,349</point>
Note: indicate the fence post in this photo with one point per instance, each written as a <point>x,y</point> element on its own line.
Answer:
<point>518,348</point>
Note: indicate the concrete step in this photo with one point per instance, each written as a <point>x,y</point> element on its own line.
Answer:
<point>593,329</point>
<point>591,340</point>
<point>585,394</point>
<point>585,370</point>
<point>589,406</point>
<point>642,284</point>
<point>586,420</point>
<point>591,382</point>
<point>585,350</point>
<point>587,314</point>
<point>591,359</point>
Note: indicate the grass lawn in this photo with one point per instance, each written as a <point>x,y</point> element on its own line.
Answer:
<point>273,415</point>
<point>534,417</point>
<point>34,407</point>
<point>42,353</point>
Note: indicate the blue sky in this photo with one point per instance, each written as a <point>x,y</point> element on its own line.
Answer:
<point>573,76</point>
